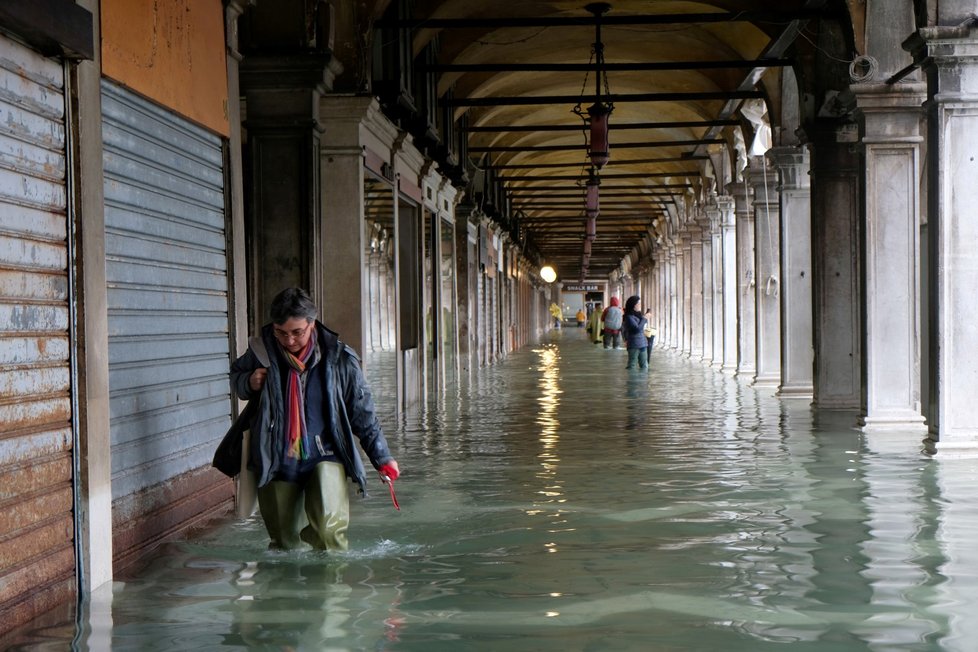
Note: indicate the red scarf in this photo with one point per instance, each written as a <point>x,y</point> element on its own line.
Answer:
<point>295,409</point>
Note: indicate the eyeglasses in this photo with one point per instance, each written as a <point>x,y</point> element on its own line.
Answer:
<point>294,334</point>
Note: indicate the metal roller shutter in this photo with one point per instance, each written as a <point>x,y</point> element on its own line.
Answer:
<point>166,270</point>
<point>37,557</point>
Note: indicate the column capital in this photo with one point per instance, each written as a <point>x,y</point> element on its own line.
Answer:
<point>890,112</point>
<point>793,164</point>
<point>726,205</point>
<point>763,181</point>
<point>281,88</point>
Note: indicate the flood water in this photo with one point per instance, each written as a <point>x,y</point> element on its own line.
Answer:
<point>559,502</point>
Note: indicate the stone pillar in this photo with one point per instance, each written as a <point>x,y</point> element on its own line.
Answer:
<point>717,295</point>
<point>797,354</point>
<point>836,256</point>
<point>708,324</point>
<point>282,94</point>
<point>93,535</point>
<point>696,293</point>
<point>746,282</point>
<point>341,261</point>
<point>892,140</point>
<point>672,302</point>
<point>678,339</point>
<point>949,57</point>
<point>767,266</point>
<point>728,281</point>
<point>684,294</point>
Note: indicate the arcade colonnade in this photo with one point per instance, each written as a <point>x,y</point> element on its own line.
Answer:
<point>157,192</point>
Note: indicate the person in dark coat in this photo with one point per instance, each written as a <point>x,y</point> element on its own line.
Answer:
<point>314,405</point>
<point>633,330</point>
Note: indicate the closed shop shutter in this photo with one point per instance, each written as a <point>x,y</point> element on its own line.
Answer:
<point>37,558</point>
<point>167,276</point>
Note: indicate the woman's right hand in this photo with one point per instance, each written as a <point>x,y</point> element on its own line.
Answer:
<point>257,379</point>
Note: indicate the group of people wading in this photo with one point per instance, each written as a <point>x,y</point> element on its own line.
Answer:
<point>614,326</point>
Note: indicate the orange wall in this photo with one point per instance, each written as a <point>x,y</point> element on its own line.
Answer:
<point>171,51</point>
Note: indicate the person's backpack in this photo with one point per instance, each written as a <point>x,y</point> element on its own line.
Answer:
<point>612,319</point>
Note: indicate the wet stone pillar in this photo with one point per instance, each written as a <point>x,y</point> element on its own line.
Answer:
<point>707,239</point>
<point>716,296</point>
<point>835,268</point>
<point>746,281</point>
<point>797,354</point>
<point>949,57</point>
<point>767,266</point>
<point>892,140</point>
<point>696,292</point>
<point>674,284</point>
<point>728,281</point>
<point>685,294</point>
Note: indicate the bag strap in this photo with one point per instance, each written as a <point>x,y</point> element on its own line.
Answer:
<point>258,346</point>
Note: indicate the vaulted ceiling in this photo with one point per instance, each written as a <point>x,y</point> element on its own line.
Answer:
<point>677,72</point>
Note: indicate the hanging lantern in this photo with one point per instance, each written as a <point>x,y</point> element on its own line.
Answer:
<point>591,197</point>
<point>598,151</point>
<point>598,114</point>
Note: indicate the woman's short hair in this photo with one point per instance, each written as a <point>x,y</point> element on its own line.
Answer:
<point>290,303</point>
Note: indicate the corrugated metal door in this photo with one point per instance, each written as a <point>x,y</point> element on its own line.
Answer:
<point>167,276</point>
<point>37,558</point>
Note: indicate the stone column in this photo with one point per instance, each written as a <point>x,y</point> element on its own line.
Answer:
<point>949,56</point>
<point>708,324</point>
<point>728,281</point>
<point>696,292</point>
<point>713,212</point>
<point>835,257</point>
<point>284,131</point>
<point>684,293</point>
<point>746,282</point>
<point>797,354</point>
<point>892,140</point>
<point>355,121</point>
<point>672,303</point>
<point>767,266</point>
<point>680,321</point>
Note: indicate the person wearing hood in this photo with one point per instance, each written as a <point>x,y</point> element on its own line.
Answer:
<point>612,319</point>
<point>633,329</point>
<point>594,326</point>
<point>314,405</point>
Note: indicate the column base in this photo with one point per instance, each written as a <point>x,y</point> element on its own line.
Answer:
<point>797,391</point>
<point>746,373</point>
<point>766,381</point>
<point>961,449</point>
<point>908,421</point>
<point>888,443</point>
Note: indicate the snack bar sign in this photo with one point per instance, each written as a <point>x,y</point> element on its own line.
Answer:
<point>581,287</point>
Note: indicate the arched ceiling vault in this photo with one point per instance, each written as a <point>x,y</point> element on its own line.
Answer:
<point>677,72</point>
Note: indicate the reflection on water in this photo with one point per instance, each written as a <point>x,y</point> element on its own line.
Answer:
<point>559,502</point>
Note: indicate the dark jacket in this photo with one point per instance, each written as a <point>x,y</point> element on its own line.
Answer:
<point>336,382</point>
<point>633,331</point>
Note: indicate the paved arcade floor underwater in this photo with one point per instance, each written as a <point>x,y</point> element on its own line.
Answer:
<point>558,502</point>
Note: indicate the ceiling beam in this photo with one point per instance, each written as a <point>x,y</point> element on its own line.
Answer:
<point>606,20</point>
<point>657,186</point>
<point>614,146</point>
<point>633,161</point>
<point>605,177</point>
<point>731,122</point>
<point>607,67</point>
<point>571,100</point>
